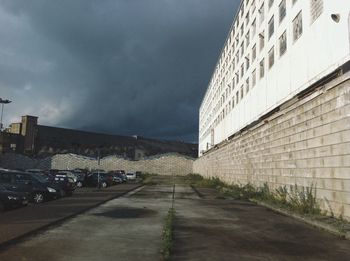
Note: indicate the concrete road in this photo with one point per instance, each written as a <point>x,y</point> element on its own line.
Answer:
<point>126,228</point>
<point>218,229</point>
<point>206,228</point>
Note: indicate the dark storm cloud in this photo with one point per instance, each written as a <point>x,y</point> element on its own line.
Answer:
<point>121,66</point>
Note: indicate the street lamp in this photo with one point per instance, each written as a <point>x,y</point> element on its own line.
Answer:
<point>3,102</point>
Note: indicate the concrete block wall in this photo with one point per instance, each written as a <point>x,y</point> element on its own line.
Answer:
<point>307,142</point>
<point>167,164</point>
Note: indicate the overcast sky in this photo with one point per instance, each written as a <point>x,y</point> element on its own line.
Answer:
<point>116,66</point>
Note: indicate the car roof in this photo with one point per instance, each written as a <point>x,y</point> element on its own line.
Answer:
<point>11,171</point>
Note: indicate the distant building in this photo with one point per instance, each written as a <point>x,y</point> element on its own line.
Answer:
<point>274,51</point>
<point>30,138</point>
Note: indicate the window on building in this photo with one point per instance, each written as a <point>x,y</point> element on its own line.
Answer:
<point>237,97</point>
<point>242,48</point>
<point>316,9</point>
<point>262,68</point>
<point>242,70</point>
<point>271,26</point>
<point>247,62</point>
<point>270,3</point>
<point>297,26</point>
<point>254,53</point>
<point>262,40</point>
<point>247,19</point>
<point>233,102</point>
<point>242,92</point>
<point>294,1</point>
<point>261,14</point>
<point>253,28</point>
<point>283,43</point>
<point>247,39</point>
<point>242,29</point>
<point>271,57</point>
<point>282,10</point>
<point>253,7</point>
<point>254,78</point>
<point>247,85</point>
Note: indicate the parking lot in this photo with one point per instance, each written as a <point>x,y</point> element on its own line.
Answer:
<point>17,223</point>
<point>130,227</point>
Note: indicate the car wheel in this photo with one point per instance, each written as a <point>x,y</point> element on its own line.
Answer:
<point>38,197</point>
<point>79,184</point>
<point>104,184</point>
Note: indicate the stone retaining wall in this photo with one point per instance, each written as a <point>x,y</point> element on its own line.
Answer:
<point>307,142</point>
<point>167,164</point>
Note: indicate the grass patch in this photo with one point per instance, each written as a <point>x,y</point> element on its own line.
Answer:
<point>199,181</point>
<point>148,179</point>
<point>168,234</point>
<point>298,199</point>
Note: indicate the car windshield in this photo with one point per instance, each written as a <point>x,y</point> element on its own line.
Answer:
<point>40,178</point>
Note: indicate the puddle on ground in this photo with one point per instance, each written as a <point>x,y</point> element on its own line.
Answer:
<point>127,212</point>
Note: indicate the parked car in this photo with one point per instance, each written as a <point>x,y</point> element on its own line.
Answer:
<point>39,187</point>
<point>131,176</point>
<point>98,179</point>
<point>69,174</point>
<point>122,174</point>
<point>65,184</point>
<point>117,179</point>
<point>81,177</point>
<point>81,180</point>
<point>10,199</point>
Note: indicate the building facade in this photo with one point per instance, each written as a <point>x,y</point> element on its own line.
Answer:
<point>29,137</point>
<point>275,50</point>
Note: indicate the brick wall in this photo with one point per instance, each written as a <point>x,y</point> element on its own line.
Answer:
<point>167,164</point>
<point>307,142</point>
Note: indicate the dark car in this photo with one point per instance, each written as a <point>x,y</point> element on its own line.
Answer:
<point>10,199</point>
<point>39,187</point>
<point>117,179</point>
<point>121,173</point>
<point>65,184</point>
<point>97,179</point>
<point>81,176</point>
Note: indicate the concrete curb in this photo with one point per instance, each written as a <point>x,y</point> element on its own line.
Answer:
<point>309,221</point>
<point>25,236</point>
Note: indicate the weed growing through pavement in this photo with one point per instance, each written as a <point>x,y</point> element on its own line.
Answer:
<point>168,234</point>
<point>298,199</point>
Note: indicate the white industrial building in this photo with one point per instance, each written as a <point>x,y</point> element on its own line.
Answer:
<point>275,50</point>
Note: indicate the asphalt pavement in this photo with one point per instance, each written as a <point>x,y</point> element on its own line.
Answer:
<point>20,223</point>
<point>206,227</point>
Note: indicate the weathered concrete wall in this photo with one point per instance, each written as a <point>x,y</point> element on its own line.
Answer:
<point>167,164</point>
<point>307,142</point>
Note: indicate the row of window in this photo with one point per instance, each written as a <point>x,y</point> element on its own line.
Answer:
<point>297,23</point>
<point>239,53</point>
<point>252,81</point>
